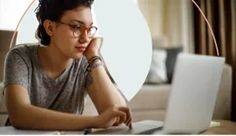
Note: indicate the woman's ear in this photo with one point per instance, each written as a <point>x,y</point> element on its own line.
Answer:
<point>49,27</point>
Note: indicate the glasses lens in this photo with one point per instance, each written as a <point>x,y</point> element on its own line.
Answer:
<point>92,31</point>
<point>76,33</point>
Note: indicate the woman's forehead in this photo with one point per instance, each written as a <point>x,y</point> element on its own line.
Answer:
<point>81,15</point>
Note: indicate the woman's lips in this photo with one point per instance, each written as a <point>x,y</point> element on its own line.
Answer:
<point>81,49</point>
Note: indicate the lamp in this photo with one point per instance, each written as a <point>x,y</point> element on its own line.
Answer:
<point>209,26</point>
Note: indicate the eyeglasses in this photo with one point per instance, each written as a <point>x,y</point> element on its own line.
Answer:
<point>78,29</point>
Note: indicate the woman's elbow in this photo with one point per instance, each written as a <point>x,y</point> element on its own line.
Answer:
<point>17,120</point>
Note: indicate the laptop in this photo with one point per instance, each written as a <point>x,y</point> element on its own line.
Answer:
<point>192,98</point>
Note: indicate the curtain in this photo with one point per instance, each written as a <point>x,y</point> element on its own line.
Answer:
<point>221,15</point>
<point>170,22</point>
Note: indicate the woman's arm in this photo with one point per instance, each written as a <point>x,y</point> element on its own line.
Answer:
<point>102,91</point>
<point>105,95</point>
<point>26,116</point>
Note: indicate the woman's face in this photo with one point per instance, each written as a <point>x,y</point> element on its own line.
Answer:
<point>67,38</point>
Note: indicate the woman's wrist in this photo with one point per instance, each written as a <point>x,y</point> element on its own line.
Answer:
<point>97,121</point>
<point>91,55</point>
<point>91,122</point>
<point>93,63</point>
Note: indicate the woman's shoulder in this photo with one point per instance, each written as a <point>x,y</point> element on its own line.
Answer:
<point>24,48</point>
<point>23,51</point>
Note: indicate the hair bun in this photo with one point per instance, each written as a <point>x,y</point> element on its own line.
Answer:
<point>44,4</point>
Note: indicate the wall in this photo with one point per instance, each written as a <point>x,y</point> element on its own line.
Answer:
<point>11,12</point>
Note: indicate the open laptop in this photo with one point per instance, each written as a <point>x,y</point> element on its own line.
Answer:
<point>192,98</point>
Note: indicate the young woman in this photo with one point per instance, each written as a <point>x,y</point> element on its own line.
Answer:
<point>45,84</point>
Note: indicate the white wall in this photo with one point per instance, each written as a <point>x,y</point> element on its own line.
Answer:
<point>135,1</point>
<point>11,12</point>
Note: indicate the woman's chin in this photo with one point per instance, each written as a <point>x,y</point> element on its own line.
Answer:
<point>77,55</point>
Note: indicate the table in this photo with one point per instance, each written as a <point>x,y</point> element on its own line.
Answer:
<point>226,127</point>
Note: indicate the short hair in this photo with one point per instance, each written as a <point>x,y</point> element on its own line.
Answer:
<point>54,10</point>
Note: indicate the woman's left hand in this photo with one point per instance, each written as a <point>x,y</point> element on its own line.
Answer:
<point>128,120</point>
<point>93,48</point>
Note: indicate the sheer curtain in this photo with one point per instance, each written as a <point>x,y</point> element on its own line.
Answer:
<point>170,20</point>
<point>221,15</point>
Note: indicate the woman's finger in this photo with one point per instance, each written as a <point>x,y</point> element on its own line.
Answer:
<point>117,121</point>
<point>117,113</point>
<point>127,111</point>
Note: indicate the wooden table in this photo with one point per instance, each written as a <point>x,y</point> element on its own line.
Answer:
<point>226,127</point>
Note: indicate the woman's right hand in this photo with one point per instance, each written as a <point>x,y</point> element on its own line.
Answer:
<point>109,117</point>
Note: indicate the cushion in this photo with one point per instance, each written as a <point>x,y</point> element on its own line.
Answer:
<point>170,61</point>
<point>151,97</point>
<point>6,35</point>
<point>157,72</point>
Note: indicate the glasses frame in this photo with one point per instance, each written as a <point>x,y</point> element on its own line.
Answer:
<point>80,29</point>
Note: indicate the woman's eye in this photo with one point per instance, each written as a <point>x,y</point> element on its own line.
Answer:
<point>76,28</point>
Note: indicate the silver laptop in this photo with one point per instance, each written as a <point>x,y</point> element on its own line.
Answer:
<point>192,98</point>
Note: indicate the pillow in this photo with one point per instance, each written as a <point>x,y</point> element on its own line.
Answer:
<point>170,61</point>
<point>157,72</point>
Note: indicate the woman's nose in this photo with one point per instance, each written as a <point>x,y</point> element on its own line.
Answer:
<point>84,37</point>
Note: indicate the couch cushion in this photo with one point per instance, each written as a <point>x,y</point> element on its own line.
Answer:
<point>5,41</point>
<point>139,115</point>
<point>172,54</point>
<point>157,72</point>
<point>89,107</point>
<point>223,101</point>
<point>151,97</point>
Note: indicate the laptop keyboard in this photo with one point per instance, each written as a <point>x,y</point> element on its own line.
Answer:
<point>141,127</point>
<point>146,127</point>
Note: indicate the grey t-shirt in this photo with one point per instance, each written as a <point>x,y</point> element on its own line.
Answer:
<point>65,93</point>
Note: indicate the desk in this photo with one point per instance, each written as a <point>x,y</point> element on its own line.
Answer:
<point>226,127</point>
<point>13,131</point>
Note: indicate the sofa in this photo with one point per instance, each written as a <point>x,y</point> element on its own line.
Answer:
<point>151,101</point>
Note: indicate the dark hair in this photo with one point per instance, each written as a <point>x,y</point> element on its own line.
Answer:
<point>53,10</point>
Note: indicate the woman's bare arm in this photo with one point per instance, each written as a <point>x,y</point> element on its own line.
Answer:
<point>24,115</point>
<point>103,92</point>
<point>104,95</point>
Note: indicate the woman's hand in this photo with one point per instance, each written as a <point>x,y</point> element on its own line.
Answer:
<point>93,48</point>
<point>128,120</point>
<point>115,116</point>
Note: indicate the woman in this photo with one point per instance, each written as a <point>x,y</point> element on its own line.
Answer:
<point>45,84</point>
